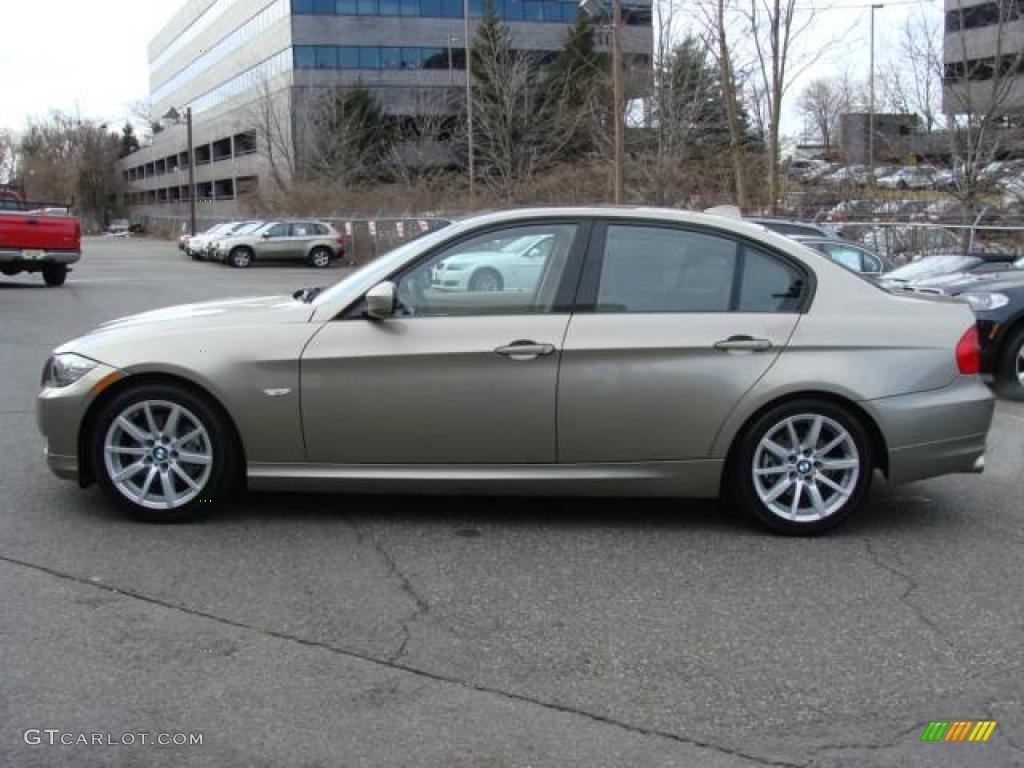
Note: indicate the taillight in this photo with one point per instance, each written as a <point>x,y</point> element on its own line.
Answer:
<point>968,352</point>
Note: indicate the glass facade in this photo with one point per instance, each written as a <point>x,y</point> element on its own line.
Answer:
<point>376,57</point>
<point>202,22</point>
<point>984,15</point>
<point>510,10</point>
<point>267,69</point>
<point>276,11</point>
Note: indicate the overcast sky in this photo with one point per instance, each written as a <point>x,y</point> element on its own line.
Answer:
<point>89,56</point>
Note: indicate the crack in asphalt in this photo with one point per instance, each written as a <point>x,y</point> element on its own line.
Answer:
<point>895,740</point>
<point>912,585</point>
<point>421,673</point>
<point>422,607</point>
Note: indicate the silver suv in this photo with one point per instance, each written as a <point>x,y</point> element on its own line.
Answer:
<point>315,242</point>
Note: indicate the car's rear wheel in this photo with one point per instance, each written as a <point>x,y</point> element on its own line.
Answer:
<point>162,452</point>
<point>1010,372</point>
<point>486,280</point>
<point>240,257</point>
<point>55,274</point>
<point>320,257</point>
<point>802,467</point>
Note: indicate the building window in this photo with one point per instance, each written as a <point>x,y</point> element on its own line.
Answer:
<point>326,57</point>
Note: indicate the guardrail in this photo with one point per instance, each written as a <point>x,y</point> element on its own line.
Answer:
<point>368,237</point>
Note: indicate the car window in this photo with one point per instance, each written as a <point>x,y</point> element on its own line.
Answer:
<point>846,256</point>
<point>657,269</point>
<point>769,284</point>
<point>277,230</point>
<point>476,277</point>
<point>303,229</point>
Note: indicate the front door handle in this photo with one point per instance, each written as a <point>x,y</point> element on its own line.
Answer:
<point>525,350</point>
<point>743,343</point>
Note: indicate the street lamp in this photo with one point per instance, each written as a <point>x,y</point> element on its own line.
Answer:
<point>175,117</point>
<point>595,8</point>
<point>871,100</point>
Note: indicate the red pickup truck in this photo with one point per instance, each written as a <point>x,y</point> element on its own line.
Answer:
<point>37,240</point>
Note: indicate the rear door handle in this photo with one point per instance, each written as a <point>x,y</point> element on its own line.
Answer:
<point>748,343</point>
<point>524,350</point>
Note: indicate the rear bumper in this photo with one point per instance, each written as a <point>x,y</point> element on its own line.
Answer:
<point>938,432</point>
<point>11,256</point>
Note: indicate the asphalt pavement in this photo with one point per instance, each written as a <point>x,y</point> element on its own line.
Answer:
<point>308,630</point>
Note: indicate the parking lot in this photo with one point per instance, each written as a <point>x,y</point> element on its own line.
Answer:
<point>306,630</point>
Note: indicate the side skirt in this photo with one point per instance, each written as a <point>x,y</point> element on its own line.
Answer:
<point>693,479</point>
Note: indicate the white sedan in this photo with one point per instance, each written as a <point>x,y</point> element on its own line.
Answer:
<point>505,265</point>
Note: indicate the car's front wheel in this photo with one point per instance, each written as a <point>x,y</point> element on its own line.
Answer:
<point>1010,372</point>
<point>162,452</point>
<point>486,279</point>
<point>802,467</point>
<point>240,257</point>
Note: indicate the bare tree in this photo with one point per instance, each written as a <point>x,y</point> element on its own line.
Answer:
<point>822,102</point>
<point>912,80</point>
<point>976,98</point>
<point>518,128</point>
<point>774,27</point>
<point>272,113</point>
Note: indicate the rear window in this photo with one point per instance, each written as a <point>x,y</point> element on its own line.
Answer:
<point>661,269</point>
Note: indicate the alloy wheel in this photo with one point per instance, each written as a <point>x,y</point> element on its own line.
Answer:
<point>1019,365</point>
<point>158,454</point>
<point>806,467</point>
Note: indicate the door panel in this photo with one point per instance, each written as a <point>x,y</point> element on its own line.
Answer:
<point>644,387</point>
<point>431,390</point>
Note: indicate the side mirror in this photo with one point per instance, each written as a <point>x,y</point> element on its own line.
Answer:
<point>380,301</point>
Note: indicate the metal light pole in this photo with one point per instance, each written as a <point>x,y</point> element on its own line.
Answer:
<point>469,100</point>
<point>871,100</point>
<point>595,8</point>
<point>175,116</point>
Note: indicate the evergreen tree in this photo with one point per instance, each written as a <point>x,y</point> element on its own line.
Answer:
<point>351,138</point>
<point>129,141</point>
<point>576,86</point>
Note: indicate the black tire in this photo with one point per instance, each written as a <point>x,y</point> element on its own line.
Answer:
<point>740,483</point>
<point>55,274</point>
<point>486,279</point>
<point>320,257</point>
<point>240,257</point>
<point>224,467</point>
<point>196,256</point>
<point>1009,371</point>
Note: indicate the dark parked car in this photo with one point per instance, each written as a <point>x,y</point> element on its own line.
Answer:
<point>998,302</point>
<point>932,272</point>
<point>850,255</point>
<point>787,227</point>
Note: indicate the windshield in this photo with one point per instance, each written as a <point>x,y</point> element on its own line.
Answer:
<point>381,267</point>
<point>249,226</point>
<point>933,265</point>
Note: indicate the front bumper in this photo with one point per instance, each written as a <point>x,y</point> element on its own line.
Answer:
<point>938,432</point>
<point>60,412</point>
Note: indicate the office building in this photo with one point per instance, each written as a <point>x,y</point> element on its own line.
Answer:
<point>242,66</point>
<point>983,58</point>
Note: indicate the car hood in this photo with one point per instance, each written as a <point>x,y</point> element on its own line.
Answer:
<point>993,281</point>
<point>247,312</point>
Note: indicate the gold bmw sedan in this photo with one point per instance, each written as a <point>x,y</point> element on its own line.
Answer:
<point>639,352</point>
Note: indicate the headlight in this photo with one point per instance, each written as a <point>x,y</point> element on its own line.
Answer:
<point>453,267</point>
<point>983,302</point>
<point>65,369</point>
